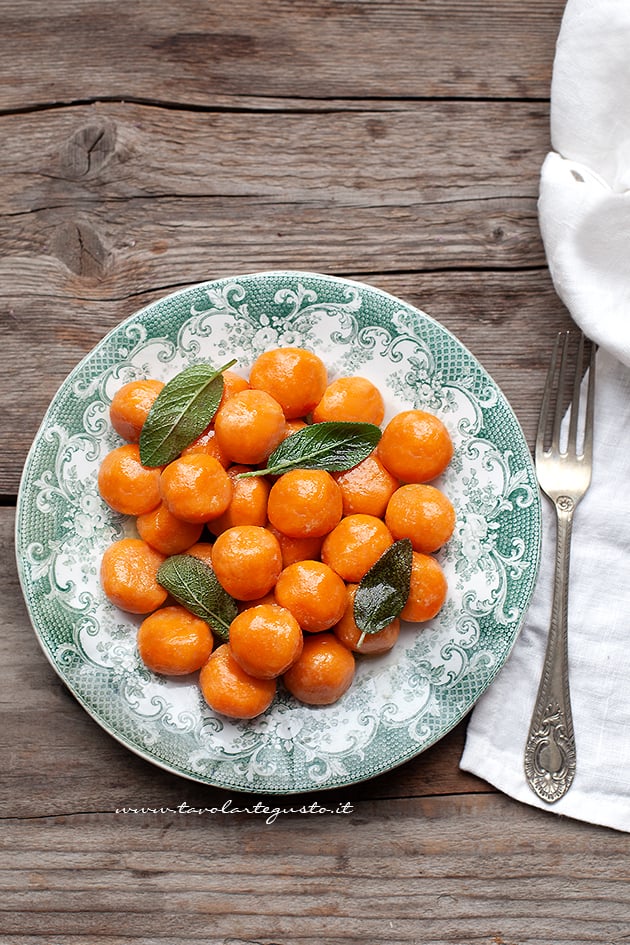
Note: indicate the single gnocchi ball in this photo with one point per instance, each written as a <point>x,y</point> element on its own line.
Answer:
<point>233,383</point>
<point>293,426</point>
<point>415,446</point>
<point>249,426</point>
<point>125,484</point>
<point>313,593</point>
<point>196,488</point>
<point>297,549</point>
<point>305,503</point>
<point>428,590</point>
<point>173,642</point>
<point>231,691</point>
<point>348,633</point>
<point>166,533</point>
<point>351,398</point>
<point>202,550</point>
<point>130,407</point>
<point>296,378</point>
<point>367,487</point>
<point>265,640</point>
<point>248,505</point>
<point>247,561</point>
<point>207,442</point>
<point>323,672</point>
<point>128,576</point>
<point>355,544</point>
<point>421,513</point>
<point>268,598</point>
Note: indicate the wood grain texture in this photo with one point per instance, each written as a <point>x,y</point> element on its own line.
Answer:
<point>443,870</point>
<point>111,250</point>
<point>215,54</point>
<point>115,200</point>
<point>419,154</point>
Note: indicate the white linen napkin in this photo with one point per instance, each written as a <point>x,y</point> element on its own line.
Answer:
<point>584,211</point>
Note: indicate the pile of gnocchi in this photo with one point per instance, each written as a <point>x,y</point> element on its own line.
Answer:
<point>288,548</point>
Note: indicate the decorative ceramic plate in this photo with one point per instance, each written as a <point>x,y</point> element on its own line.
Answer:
<point>399,703</point>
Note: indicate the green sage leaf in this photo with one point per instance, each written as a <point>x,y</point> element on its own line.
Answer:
<point>181,412</point>
<point>196,587</point>
<point>384,589</point>
<point>334,445</point>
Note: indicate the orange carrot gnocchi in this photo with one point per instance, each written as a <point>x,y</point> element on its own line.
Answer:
<point>294,505</point>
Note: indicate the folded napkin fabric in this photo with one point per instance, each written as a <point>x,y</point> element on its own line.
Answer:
<point>584,205</point>
<point>599,640</point>
<point>586,231</point>
<point>590,118</point>
<point>584,211</point>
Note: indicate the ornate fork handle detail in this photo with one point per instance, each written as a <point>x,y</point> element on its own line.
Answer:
<point>564,475</point>
<point>550,755</point>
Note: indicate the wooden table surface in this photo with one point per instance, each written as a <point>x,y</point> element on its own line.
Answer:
<point>149,146</point>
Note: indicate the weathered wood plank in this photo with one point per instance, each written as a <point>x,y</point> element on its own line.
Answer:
<point>424,153</point>
<point>113,201</point>
<point>434,870</point>
<point>111,250</point>
<point>214,54</point>
<point>491,312</point>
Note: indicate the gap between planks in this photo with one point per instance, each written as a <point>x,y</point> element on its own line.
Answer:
<point>276,103</point>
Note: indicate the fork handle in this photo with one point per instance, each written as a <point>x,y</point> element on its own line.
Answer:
<point>550,750</point>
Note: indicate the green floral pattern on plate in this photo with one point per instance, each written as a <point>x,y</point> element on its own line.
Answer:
<point>400,703</point>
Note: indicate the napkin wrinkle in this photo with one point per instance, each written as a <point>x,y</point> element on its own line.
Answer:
<point>584,202</point>
<point>585,228</point>
<point>590,119</point>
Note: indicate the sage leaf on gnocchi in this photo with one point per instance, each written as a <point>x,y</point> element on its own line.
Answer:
<point>384,589</point>
<point>181,412</point>
<point>196,587</point>
<point>333,445</point>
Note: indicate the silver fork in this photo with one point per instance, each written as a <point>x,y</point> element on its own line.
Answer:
<point>564,475</point>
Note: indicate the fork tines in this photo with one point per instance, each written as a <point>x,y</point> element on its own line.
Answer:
<point>561,395</point>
